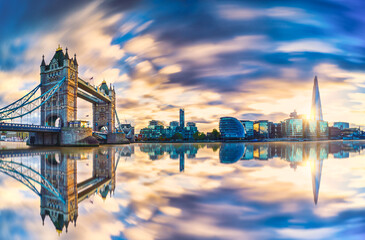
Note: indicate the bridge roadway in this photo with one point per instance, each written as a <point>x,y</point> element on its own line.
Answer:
<point>14,153</point>
<point>20,127</point>
<point>96,185</point>
<point>90,89</point>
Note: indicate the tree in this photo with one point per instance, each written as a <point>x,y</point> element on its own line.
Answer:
<point>202,136</point>
<point>177,136</point>
<point>199,136</point>
<point>215,148</point>
<point>196,136</point>
<point>215,134</point>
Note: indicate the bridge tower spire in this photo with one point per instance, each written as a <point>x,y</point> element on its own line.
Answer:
<point>63,104</point>
<point>103,112</point>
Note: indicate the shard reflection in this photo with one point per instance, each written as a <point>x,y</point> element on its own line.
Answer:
<point>202,174</point>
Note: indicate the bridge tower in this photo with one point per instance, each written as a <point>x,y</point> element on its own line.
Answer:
<point>61,171</point>
<point>103,112</point>
<point>63,105</point>
<point>104,167</point>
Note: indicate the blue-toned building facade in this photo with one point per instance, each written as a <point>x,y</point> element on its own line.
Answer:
<point>261,129</point>
<point>294,128</point>
<point>341,125</point>
<point>248,126</point>
<point>182,118</point>
<point>231,128</point>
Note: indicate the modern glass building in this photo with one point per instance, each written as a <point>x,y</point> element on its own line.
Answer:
<point>275,130</point>
<point>248,125</point>
<point>190,129</point>
<point>174,124</point>
<point>294,128</point>
<point>310,128</point>
<point>182,118</point>
<point>305,128</point>
<point>231,128</point>
<point>154,130</point>
<point>341,125</point>
<point>261,129</point>
<point>322,129</point>
<point>155,123</point>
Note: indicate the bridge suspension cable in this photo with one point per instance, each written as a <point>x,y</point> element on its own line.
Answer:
<point>28,176</point>
<point>26,104</point>
<point>22,100</point>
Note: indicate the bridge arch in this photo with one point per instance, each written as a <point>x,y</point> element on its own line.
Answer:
<point>54,120</point>
<point>53,159</point>
<point>103,128</point>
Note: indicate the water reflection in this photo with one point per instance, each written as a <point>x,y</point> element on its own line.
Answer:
<point>175,151</point>
<point>296,153</point>
<point>55,173</point>
<point>219,191</point>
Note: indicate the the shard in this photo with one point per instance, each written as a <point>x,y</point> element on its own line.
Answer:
<point>316,111</point>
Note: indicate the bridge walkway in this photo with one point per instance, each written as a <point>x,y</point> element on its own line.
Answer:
<point>20,127</point>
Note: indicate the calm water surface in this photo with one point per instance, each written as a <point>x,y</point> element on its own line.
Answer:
<point>310,190</point>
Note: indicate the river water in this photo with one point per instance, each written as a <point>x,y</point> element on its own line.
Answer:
<point>313,190</point>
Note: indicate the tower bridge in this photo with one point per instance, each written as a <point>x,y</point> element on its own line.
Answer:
<point>56,107</point>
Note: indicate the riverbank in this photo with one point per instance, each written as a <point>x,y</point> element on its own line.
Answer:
<point>12,145</point>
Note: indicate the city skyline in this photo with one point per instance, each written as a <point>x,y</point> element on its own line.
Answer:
<point>206,58</point>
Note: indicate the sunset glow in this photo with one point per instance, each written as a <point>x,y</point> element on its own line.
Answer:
<point>246,59</point>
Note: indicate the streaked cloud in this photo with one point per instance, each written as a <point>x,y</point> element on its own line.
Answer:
<point>255,57</point>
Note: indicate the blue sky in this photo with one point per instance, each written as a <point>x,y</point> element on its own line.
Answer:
<point>247,59</point>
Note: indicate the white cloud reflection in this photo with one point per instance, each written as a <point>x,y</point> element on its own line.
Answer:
<point>209,199</point>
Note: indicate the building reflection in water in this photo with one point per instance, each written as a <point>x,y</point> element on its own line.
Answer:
<point>175,151</point>
<point>295,154</point>
<point>56,174</point>
<point>61,193</point>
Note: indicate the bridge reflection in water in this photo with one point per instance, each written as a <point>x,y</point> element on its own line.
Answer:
<point>52,175</point>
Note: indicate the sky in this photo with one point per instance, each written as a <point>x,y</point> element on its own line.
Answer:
<point>246,59</point>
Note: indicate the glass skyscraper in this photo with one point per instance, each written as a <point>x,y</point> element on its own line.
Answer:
<point>316,110</point>
<point>182,118</point>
